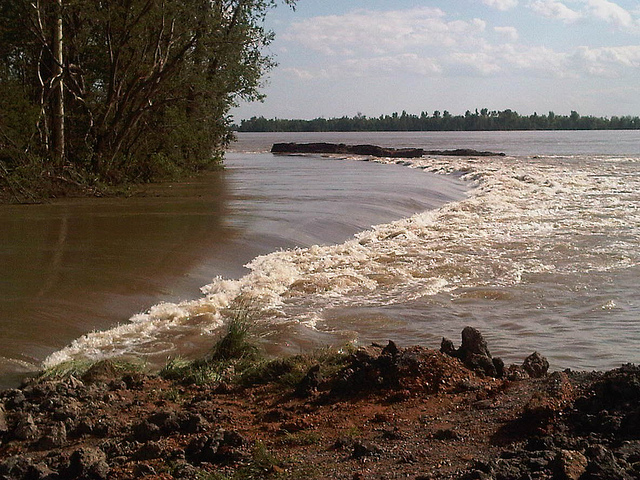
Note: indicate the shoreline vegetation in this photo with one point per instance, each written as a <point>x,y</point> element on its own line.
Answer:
<point>352,413</point>
<point>97,97</point>
<point>483,120</point>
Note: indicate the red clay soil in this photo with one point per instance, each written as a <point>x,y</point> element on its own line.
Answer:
<point>410,413</point>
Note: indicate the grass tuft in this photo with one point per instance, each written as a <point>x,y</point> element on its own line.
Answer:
<point>230,352</point>
<point>288,372</point>
<point>78,368</point>
<point>235,344</point>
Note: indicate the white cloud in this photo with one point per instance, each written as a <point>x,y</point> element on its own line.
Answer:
<point>501,4</point>
<point>405,63</point>
<point>382,32</point>
<point>424,42</point>
<point>554,9</point>
<point>300,73</point>
<point>604,10</point>
<point>607,61</point>
<point>509,33</point>
<point>612,13</point>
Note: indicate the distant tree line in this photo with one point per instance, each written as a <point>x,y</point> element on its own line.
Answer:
<point>443,121</point>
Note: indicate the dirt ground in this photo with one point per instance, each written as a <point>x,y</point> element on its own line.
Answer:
<point>387,413</point>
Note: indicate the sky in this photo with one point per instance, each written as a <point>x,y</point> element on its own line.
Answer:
<point>374,57</point>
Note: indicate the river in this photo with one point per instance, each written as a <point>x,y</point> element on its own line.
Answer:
<point>538,249</point>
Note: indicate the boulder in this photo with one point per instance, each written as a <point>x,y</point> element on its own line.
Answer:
<point>536,365</point>
<point>570,464</point>
<point>88,463</point>
<point>474,353</point>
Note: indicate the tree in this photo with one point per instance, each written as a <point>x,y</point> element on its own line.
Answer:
<point>147,84</point>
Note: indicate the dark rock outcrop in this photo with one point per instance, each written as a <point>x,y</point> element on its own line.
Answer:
<point>341,148</point>
<point>474,353</point>
<point>374,150</point>
<point>536,365</point>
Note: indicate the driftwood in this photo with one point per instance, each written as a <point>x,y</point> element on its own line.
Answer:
<point>373,150</point>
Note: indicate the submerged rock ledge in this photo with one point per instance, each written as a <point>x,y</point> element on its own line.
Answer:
<point>374,412</point>
<point>374,150</point>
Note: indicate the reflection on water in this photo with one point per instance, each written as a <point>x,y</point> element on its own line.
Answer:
<point>75,265</point>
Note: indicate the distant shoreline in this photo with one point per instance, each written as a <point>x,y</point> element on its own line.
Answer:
<point>485,120</point>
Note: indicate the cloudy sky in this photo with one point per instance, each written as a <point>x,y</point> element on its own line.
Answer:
<point>344,57</point>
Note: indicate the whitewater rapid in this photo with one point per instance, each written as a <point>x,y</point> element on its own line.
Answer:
<point>535,220</point>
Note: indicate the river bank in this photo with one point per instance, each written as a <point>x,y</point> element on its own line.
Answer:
<point>374,412</point>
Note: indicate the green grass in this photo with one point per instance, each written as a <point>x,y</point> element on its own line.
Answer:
<point>289,371</point>
<point>301,439</point>
<point>78,368</point>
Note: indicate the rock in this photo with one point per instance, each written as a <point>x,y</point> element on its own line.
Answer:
<point>103,371</point>
<point>498,364</point>
<point>149,451</point>
<point>474,353</point>
<point>146,431</point>
<point>536,365</point>
<point>603,465</point>
<point>473,343</point>
<point>192,422</point>
<point>464,152</point>
<point>446,434</point>
<point>447,347</point>
<point>480,364</point>
<point>66,412</point>
<point>56,436</point>
<point>374,150</point>
<point>4,426</point>
<point>186,470</point>
<point>223,446</point>
<point>341,148</point>
<point>16,466</point>
<point>362,449</point>
<point>391,349</point>
<point>570,465</point>
<point>309,384</point>
<point>15,399</point>
<point>88,463</point>
<point>167,422</point>
<point>26,428</point>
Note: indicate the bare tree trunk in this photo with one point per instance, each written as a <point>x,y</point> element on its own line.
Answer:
<point>58,112</point>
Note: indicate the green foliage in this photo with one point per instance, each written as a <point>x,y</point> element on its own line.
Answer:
<point>147,85</point>
<point>478,121</point>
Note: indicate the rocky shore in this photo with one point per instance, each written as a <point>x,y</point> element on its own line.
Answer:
<point>374,150</point>
<point>379,412</point>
